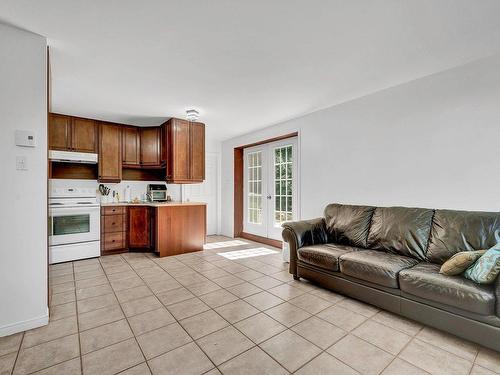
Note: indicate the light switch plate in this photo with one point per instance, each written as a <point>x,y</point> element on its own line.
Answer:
<point>21,163</point>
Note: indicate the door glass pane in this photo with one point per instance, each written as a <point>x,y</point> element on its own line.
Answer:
<point>283,176</point>
<point>254,199</point>
<point>71,224</point>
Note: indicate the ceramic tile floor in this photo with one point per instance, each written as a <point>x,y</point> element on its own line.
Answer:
<point>202,313</point>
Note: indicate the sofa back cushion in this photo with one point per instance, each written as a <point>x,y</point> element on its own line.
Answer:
<point>348,224</point>
<point>401,230</point>
<point>455,231</point>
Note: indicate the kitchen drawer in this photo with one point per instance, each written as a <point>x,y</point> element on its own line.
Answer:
<point>113,210</point>
<point>113,223</point>
<point>114,241</point>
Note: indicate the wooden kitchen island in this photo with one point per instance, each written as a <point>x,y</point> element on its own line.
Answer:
<point>180,228</point>
<point>168,228</point>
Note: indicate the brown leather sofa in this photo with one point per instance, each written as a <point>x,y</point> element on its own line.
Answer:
<point>390,257</point>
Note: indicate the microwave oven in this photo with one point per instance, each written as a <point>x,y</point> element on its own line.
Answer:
<point>157,192</point>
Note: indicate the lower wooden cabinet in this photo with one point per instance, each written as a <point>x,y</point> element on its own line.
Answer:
<point>113,230</point>
<point>167,230</point>
<point>139,227</point>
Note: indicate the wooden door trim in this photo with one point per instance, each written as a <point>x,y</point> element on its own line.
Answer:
<point>238,184</point>
<point>260,239</point>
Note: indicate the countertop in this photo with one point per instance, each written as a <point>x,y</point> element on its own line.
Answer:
<point>154,204</point>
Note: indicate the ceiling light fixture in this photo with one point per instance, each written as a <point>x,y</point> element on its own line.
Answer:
<point>192,115</point>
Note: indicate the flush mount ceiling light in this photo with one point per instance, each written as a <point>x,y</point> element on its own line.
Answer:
<point>192,115</point>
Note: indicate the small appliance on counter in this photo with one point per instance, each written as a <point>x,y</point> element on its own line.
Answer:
<point>74,223</point>
<point>157,192</point>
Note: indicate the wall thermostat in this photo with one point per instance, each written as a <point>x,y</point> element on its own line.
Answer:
<point>25,138</point>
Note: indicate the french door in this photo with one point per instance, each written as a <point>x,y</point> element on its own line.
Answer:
<point>270,187</point>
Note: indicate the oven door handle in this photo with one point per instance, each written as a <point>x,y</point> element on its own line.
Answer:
<point>74,208</point>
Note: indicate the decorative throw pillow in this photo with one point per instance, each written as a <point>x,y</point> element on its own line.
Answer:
<point>487,268</point>
<point>459,262</point>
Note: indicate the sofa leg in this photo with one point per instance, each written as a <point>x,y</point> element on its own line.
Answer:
<point>295,277</point>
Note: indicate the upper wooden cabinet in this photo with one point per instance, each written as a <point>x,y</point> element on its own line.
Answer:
<point>131,146</point>
<point>151,147</point>
<point>142,147</point>
<point>197,151</point>
<point>184,151</point>
<point>68,133</point>
<point>110,155</point>
<point>59,132</point>
<point>175,150</point>
<point>84,136</point>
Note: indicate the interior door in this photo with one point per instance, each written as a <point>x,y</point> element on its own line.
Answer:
<point>270,187</point>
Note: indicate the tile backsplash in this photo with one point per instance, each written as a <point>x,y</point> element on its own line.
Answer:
<point>137,188</point>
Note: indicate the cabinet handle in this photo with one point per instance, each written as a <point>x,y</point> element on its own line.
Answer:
<point>113,241</point>
<point>113,224</point>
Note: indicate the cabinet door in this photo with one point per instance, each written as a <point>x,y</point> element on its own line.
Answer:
<point>131,146</point>
<point>197,151</point>
<point>110,153</point>
<point>139,227</point>
<point>150,146</point>
<point>180,150</point>
<point>59,132</point>
<point>84,133</point>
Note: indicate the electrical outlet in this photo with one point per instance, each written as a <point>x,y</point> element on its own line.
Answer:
<point>21,163</point>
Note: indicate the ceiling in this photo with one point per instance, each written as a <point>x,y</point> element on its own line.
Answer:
<point>245,64</point>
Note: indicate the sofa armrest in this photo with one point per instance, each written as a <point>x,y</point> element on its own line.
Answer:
<point>303,233</point>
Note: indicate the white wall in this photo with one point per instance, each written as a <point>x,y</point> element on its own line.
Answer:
<point>23,198</point>
<point>433,142</point>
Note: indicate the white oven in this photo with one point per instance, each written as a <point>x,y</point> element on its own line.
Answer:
<point>74,224</point>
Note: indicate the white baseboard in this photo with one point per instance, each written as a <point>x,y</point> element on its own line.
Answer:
<point>10,329</point>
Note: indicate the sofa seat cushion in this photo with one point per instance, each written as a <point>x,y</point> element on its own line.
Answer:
<point>375,266</point>
<point>425,281</point>
<point>324,256</point>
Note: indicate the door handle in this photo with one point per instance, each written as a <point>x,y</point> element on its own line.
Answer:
<point>269,197</point>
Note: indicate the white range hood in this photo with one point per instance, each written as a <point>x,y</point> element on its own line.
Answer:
<point>72,157</point>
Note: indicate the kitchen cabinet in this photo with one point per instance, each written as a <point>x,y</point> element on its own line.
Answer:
<point>139,227</point>
<point>150,147</point>
<point>141,147</point>
<point>110,154</point>
<point>68,133</point>
<point>59,132</point>
<point>84,135</point>
<point>113,230</point>
<point>197,151</point>
<point>185,151</point>
<point>180,228</point>
<point>131,146</point>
